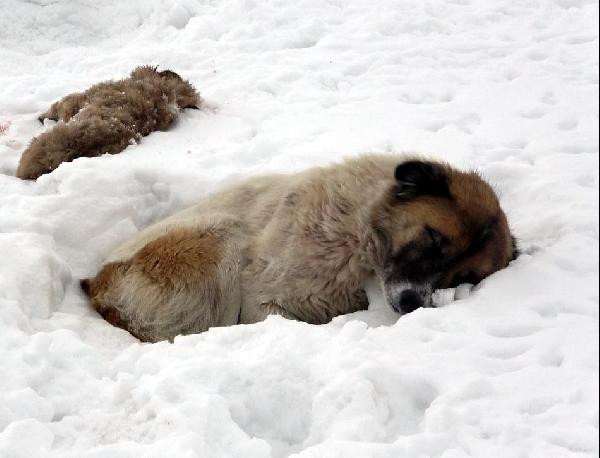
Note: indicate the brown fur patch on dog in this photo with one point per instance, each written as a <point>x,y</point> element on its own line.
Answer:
<point>178,258</point>
<point>174,264</point>
<point>486,233</point>
<point>472,204</point>
<point>107,117</point>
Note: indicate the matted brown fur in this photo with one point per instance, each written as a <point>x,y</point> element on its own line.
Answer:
<point>107,117</point>
<point>305,246</point>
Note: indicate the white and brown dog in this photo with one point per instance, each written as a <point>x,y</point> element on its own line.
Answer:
<point>304,246</point>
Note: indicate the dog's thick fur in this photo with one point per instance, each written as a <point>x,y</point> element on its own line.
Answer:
<point>107,117</point>
<point>304,246</point>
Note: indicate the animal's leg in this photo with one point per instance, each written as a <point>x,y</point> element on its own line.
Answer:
<point>65,108</point>
<point>272,308</point>
<point>255,313</point>
<point>183,282</point>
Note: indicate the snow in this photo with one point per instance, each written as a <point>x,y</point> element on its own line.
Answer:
<point>509,369</point>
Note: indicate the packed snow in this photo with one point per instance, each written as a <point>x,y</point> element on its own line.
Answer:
<point>507,87</point>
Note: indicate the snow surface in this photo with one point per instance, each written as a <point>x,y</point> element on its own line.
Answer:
<point>508,87</point>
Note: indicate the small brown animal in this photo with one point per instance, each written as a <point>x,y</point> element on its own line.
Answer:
<point>304,246</point>
<point>107,117</point>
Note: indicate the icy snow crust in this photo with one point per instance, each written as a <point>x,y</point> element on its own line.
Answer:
<point>509,88</point>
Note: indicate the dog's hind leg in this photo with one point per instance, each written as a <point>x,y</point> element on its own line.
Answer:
<point>65,108</point>
<point>183,282</point>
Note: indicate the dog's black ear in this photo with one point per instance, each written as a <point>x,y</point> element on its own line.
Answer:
<point>169,74</point>
<point>417,178</point>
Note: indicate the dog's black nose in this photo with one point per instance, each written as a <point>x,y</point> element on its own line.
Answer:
<point>410,301</point>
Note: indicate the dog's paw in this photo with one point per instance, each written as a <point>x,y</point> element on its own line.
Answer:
<point>42,118</point>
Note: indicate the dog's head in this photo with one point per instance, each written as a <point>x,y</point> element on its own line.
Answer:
<point>440,228</point>
<point>183,91</point>
<point>185,94</point>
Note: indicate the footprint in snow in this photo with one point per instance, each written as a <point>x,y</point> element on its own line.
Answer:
<point>506,352</point>
<point>567,124</point>
<point>513,330</point>
<point>535,113</point>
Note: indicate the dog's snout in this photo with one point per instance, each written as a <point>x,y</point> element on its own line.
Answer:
<point>410,301</point>
<point>406,297</point>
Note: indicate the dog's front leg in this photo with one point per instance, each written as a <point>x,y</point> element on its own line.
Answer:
<point>65,109</point>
